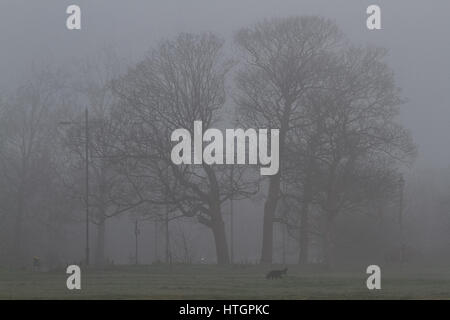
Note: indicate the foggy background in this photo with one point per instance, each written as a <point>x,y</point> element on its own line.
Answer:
<point>33,33</point>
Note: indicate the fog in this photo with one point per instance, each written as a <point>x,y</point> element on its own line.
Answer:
<point>413,31</point>
<point>34,37</point>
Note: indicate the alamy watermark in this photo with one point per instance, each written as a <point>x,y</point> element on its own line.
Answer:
<point>240,146</point>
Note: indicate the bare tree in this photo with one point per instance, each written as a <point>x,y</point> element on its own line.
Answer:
<point>181,81</point>
<point>346,154</point>
<point>109,192</point>
<point>28,156</point>
<point>283,61</point>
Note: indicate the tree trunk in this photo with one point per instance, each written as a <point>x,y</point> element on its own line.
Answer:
<point>216,222</point>
<point>328,238</point>
<point>220,238</point>
<point>101,234</point>
<point>304,216</point>
<point>304,234</point>
<point>54,242</point>
<point>16,248</point>
<point>270,207</point>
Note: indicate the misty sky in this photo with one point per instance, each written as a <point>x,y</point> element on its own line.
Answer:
<point>415,32</point>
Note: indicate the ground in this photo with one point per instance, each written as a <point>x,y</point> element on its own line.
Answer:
<point>231,282</point>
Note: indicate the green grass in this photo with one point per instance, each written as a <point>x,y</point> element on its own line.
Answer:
<point>232,282</point>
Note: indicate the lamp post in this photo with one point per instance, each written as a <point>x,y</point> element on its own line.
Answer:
<point>86,151</point>
<point>231,220</point>
<point>166,222</point>
<point>401,184</point>
<point>166,225</point>
<point>155,242</point>
<point>136,234</point>
<point>86,122</point>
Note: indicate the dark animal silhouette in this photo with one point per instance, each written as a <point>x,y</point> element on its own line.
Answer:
<point>276,274</point>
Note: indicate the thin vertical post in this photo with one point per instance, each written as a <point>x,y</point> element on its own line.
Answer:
<point>231,220</point>
<point>400,219</point>
<point>168,255</point>
<point>87,181</point>
<point>155,250</point>
<point>283,234</point>
<point>136,233</point>
<point>168,259</point>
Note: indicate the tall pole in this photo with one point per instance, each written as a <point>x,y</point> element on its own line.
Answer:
<point>168,259</point>
<point>87,182</point>
<point>136,233</point>
<point>155,249</point>
<point>283,234</point>
<point>168,255</point>
<point>231,232</point>
<point>400,219</point>
<point>283,230</point>
<point>231,221</point>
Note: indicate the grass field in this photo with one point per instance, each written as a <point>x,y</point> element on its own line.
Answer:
<point>231,282</point>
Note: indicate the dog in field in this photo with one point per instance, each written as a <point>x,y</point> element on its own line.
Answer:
<point>276,274</point>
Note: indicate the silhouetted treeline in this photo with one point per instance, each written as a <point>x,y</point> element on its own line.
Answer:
<point>343,155</point>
